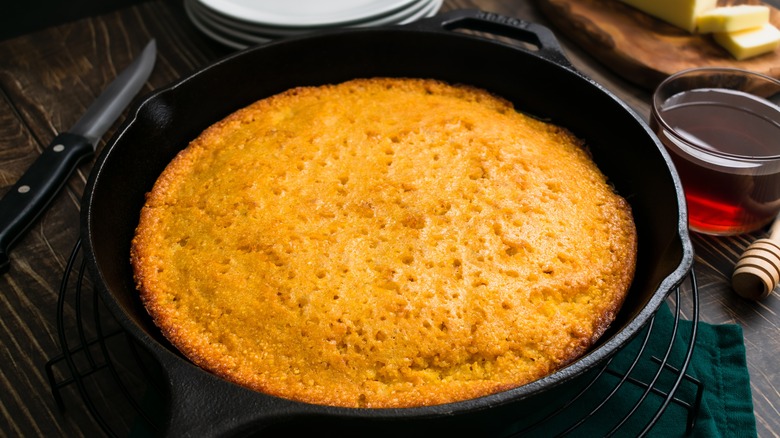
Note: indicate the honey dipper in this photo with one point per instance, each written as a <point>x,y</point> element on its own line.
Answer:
<point>757,272</point>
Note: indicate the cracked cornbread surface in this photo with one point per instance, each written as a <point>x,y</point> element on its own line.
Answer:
<point>383,243</point>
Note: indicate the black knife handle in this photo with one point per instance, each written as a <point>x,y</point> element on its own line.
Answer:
<point>30,196</point>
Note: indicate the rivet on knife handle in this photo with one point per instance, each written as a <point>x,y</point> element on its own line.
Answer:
<point>25,201</point>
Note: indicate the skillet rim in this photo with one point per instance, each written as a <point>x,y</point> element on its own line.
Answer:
<point>586,362</point>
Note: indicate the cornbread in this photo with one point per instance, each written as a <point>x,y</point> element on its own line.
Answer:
<point>383,243</point>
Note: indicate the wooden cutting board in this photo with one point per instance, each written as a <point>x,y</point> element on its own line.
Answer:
<point>641,48</point>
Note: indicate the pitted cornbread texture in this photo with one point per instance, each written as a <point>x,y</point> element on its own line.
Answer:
<point>383,243</point>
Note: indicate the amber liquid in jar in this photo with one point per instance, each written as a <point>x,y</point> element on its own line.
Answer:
<point>726,187</point>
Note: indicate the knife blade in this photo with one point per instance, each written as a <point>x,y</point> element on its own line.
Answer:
<point>37,187</point>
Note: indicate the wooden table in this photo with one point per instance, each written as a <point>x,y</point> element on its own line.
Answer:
<point>49,77</point>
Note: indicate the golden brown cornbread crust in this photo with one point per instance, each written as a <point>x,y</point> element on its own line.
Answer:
<point>383,243</point>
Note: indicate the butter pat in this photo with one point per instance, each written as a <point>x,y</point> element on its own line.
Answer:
<point>733,18</point>
<point>681,13</point>
<point>748,43</point>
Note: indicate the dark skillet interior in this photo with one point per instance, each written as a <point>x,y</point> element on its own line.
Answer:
<point>620,142</point>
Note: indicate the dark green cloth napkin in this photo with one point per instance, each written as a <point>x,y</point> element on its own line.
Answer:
<point>717,363</point>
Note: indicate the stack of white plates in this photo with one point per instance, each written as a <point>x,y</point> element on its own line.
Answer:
<point>243,23</point>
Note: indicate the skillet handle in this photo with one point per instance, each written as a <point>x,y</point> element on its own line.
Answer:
<point>202,405</point>
<point>541,37</point>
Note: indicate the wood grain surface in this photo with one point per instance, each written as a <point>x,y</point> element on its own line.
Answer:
<point>643,49</point>
<point>49,77</point>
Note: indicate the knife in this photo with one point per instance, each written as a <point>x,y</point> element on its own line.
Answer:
<point>37,187</point>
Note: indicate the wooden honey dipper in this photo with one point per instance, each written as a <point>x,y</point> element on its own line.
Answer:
<point>757,272</point>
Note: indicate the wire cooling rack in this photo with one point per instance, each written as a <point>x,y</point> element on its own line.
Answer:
<point>104,363</point>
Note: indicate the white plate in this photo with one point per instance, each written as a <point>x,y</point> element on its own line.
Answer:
<point>213,33</point>
<point>429,8</point>
<point>412,12</point>
<point>301,13</point>
<point>240,35</point>
<point>217,18</point>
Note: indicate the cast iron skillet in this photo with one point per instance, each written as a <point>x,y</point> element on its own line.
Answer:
<point>538,79</point>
